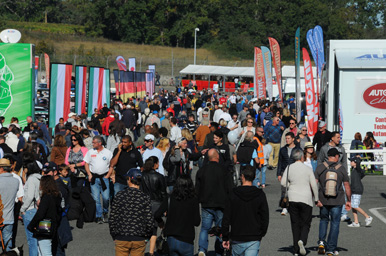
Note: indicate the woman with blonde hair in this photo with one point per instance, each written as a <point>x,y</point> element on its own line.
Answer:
<point>189,137</point>
<point>58,154</point>
<point>164,145</point>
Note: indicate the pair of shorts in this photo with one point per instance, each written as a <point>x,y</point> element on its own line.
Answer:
<point>355,200</point>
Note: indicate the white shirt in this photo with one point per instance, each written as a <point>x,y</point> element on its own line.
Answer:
<point>232,123</point>
<point>232,99</point>
<point>175,133</point>
<point>216,116</point>
<point>225,116</point>
<point>20,191</point>
<point>99,162</point>
<point>158,153</point>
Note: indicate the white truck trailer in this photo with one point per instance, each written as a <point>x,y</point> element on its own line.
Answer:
<point>354,82</point>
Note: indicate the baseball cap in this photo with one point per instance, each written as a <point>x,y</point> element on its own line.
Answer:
<point>155,112</point>
<point>355,159</point>
<point>308,145</point>
<point>49,166</point>
<point>333,152</point>
<point>149,137</point>
<point>71,114</point>
<point>245,105</point>
<point>5,162</point>
<point>322,124</point>
<point>133,174</point>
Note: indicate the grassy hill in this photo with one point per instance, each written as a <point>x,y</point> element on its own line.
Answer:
<point>69,44</point>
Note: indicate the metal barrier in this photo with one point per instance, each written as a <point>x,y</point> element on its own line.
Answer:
<point>379,154</point>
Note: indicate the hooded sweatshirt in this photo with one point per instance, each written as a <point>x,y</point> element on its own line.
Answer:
<point>31,192</point>
<point>247,213</point>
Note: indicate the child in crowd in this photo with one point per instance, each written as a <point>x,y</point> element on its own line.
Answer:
<point>63,174</point>
<point>357,174</point>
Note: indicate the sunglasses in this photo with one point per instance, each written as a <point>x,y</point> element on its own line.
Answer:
<point>261,131</point>
<point>250,122</point>
<point>148,140</point>
<point>304,130</point>
<point>292,123</point>
<point>73,140</point>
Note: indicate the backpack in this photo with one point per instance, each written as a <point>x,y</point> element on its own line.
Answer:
<point>331,186</point>
<point>166,162</point>
<point>244,153</point>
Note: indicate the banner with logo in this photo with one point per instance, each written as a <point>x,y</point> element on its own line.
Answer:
<point>16,82</point>
<point>259,74</point>
<point>98,85</point>
<point>60,89</point>
<point>297,75</point>
<point>80,89</point>
<point>121,63</point>
<point>312,45</point>
<point>131,64</point>
<point>311,106</point>
<point>318,40</point>
<point>275,50</point>
<point>47,64</point>
<point>267,70</point>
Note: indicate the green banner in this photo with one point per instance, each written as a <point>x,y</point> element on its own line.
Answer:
<point>16,82</point>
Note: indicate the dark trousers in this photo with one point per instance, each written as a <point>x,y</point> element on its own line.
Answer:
<point>16,213</point>
<point>301,217</point>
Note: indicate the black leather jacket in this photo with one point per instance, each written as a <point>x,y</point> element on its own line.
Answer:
<point>154,185</point>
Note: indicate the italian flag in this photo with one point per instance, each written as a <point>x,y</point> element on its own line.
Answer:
<point>60,88</point>
<point>80,89</point>
<point>99,89</point>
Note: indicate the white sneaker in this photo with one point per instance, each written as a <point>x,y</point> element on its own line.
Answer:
<point>368,221</point>
<point>354,225</point>
<point>284,212</point>
<point>201,254</point>
<point>343,218</point>
<point>302,250</point>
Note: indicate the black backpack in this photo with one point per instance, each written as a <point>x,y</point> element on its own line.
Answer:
<point>244,152</point>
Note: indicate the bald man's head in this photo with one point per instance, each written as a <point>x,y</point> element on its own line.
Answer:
<point>147,129</point>
<point>213,155</point>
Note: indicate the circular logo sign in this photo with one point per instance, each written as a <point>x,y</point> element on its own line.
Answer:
<point>375,96</point>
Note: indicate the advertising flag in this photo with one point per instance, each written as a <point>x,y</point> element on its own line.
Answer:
<point>60,89</point>
<point>80,89</point>
<point>132,64</point>
<point>121,63</point>
<point>116,82</point>
<point>267,70</point>
<point>297,74</point>
<point>97,89</point>
<point>312,119</point>
<point>16,82</point>
<point>36,78</point>
<point>259,83</point>
<point>312,45</point>
<point>318,39</point>
<point>47,64</point>
<point>275,50</point>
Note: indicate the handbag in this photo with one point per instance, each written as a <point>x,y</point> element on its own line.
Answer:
<point>44,228</point>
<point>285,201</point>
<point>162,245</point>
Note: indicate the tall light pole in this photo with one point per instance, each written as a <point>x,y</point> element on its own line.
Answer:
<point>195,43</point>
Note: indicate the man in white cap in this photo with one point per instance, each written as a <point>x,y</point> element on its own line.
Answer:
<point>71,119</point>
<point>321,137</point>
<point>217,114</point>
<point>149,150</point>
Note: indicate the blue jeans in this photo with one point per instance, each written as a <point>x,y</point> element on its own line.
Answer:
<point>177,247</point>
<point>326,213</point>
<point>96,191</point>
<point>119,187</point>
<point>208,216</point>
<point>45,247</point>
<point>245,248</point>
<point>32,242</point>
<point>6,231</point>
<point>257,178</point>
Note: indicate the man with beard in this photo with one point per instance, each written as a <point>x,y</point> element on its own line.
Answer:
<point>125,157</point>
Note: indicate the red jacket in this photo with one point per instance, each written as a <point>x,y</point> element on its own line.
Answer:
<point>106,124</point>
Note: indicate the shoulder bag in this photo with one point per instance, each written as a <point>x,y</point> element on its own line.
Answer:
<point>285,201</point>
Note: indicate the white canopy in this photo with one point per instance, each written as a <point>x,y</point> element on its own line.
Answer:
<point>287,71</point>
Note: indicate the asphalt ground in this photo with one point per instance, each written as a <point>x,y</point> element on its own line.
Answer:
<point>94,239</point>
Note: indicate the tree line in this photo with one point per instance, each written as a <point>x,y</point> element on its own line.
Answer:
<point>229,27</point>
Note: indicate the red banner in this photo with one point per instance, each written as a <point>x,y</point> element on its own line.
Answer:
<point>275,51</point>
<point>47,63</point>
<point>259,82</point>
<point>311,102</point>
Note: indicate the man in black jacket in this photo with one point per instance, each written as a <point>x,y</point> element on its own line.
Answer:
<point>248,216</point>
<point>213,185</point>
<point>285,159</point>
<point>131,219</point>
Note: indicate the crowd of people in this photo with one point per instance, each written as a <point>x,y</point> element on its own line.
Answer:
<point>132,164</point>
